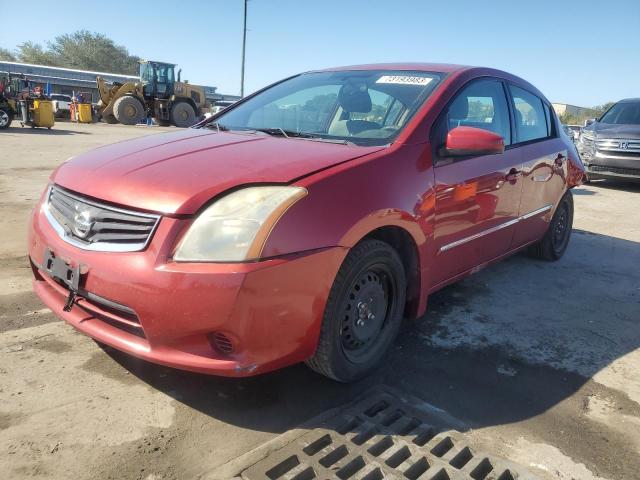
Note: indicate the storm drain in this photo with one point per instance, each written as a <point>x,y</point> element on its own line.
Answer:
<point>384,437</point>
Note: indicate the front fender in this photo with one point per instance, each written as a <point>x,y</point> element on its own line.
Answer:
<point>346,202</point>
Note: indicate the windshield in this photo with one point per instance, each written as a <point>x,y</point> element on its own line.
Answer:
<point>63,98</point>
<point>366,107</point>
<point>623,113</point>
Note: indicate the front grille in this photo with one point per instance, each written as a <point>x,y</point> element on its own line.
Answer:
<point>619,170</point>
<point>94,226</point>
<point>624,145</point>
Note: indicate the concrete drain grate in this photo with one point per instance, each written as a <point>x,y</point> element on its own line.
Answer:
<point>384,437</point>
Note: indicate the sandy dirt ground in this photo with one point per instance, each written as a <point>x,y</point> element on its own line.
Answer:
<point>541,360</point>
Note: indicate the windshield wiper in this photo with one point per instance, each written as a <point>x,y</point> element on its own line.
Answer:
<point>295,134</point>
<point>217,126</point>
<point>279,132</point>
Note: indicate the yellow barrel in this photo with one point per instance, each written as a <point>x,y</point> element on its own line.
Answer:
<point>84,112</point>
<point>43,113</point>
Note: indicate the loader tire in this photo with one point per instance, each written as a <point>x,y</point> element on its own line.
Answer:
<point>128,110</point>
<point>183,115</point>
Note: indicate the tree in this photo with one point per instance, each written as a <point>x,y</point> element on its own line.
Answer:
<point>600,109</point>
<point>6,55</point>
<point>29,52</point>
<point>81,50</point>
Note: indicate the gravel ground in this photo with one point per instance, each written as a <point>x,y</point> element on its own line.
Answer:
<point>539,359</point>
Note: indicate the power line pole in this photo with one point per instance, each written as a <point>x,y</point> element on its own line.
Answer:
<point>244,42</point>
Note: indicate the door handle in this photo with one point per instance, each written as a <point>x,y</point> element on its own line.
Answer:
<point>559,161</point>
<point>513,175</point>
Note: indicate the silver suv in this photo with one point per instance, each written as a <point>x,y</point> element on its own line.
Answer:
<point>610,146</point>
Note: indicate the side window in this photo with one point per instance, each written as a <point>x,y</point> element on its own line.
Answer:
<point>529,112</point>
<point>481,104</point>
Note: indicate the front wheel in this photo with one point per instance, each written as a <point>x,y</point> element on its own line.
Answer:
<point>6,117</point>
<point>183,115</point>
<point>128,110</point>
<point>554,243</point>
<point>363,313</point>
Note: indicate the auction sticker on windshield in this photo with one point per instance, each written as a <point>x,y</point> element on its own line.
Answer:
<point>404,80</point>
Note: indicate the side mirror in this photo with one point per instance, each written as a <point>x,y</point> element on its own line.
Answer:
<point>589,121</point>
<point>471,141</point>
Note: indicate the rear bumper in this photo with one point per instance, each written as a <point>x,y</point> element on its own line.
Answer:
<point>171,313</point>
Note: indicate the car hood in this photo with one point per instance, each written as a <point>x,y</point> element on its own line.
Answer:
<point>176,173</point>
<point>607,130</point>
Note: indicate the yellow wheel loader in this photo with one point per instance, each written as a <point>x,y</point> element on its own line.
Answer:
<point>169,101</point>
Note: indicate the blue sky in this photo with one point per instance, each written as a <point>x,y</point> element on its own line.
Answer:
<point>580,52</point>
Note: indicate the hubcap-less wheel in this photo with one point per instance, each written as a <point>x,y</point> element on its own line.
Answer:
<point>363,312</point>
<point>366,312</point>
<point>560,236</point>
<point>128,110</point>
<point>4,119</point>
<point>553,244</point>
<point>183,115</point>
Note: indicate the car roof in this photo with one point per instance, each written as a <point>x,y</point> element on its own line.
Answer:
<point>426,67</point>
<point>445,68</point>
<point>629,100</point>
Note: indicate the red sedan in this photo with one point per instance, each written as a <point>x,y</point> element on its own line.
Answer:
<point>305,221</point>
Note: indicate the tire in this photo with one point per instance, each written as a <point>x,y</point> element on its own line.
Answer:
<point>182,114</point>
<point>555,241</point>
<point>363,312</point>
<point>128,110</point>
<point>6,117</point>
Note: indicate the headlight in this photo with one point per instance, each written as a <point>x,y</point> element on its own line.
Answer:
<point>235,227</point>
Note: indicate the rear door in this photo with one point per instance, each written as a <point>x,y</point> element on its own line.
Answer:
<point>477,197</point>
<point>544,157</point>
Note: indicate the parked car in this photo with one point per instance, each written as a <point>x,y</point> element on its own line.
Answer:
<point>610,146</point>
<point>305,221</point>
<point>61,104</point>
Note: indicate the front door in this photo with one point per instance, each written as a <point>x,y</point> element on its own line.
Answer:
<point>544,156</point>
<point>477,198</point>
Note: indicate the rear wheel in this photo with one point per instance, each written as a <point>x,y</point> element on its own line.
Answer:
<point>363,313</point>
<point>183,114</point>
<point>554,243</point>
<point>128,110</point>
<point>6,117</point>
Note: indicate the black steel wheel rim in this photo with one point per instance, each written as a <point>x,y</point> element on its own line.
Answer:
<point>366,312</point>
<point>560,233</point>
